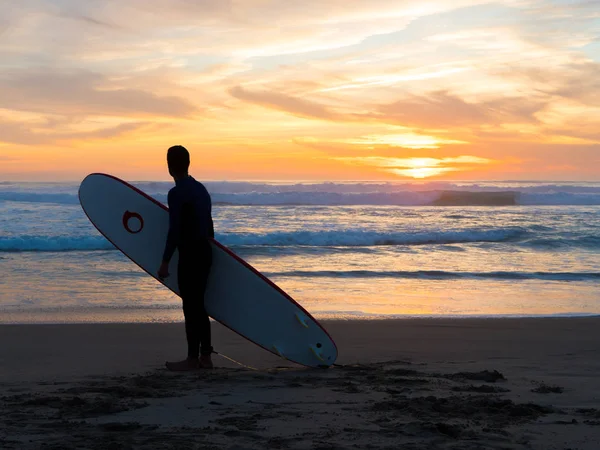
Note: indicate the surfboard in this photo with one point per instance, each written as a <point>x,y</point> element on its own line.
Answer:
<point>237,295</point>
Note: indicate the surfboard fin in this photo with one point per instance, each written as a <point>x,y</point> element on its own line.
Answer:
<point>302,320</point>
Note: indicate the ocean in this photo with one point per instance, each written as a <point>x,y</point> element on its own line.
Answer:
<point>352,250</point>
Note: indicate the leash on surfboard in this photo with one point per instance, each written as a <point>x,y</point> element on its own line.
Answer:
<point>236,362</point>
<point>254,368</point>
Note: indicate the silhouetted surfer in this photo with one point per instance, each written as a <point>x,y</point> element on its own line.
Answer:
<point>190,227</point>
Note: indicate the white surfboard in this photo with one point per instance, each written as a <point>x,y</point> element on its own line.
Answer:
<point>237,295</point>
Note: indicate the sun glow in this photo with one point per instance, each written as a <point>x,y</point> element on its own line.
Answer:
<point>422,172</point>
<point>419,167</point>
<point>407,140</point>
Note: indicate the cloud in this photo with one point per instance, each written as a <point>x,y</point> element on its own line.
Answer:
<point>296,106</point>
<point>580,82</point>
<point>402,163</point>
<point>387,80</point>
<point>587,136</point>
<point>80,31</point>
<point>438,110</point>
<point>381,76</point>
<point>576,80</point>
<point>80,93</point>
<point>88,20</point>
<point>444,110</point>
<point>18,133</point>
<point>418,167</point>
<point>404,139</point>
<point>8,158</point>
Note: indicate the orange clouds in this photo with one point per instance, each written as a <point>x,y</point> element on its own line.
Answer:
<point>287,103</point>
<point>70,93</point>
<point>319,89</point>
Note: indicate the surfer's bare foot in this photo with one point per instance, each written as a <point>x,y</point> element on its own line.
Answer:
<point>206,362</point>
<point>185,365</point>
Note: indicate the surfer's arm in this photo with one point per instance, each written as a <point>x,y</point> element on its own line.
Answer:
<point>174,225</point>
<point>211,228</point>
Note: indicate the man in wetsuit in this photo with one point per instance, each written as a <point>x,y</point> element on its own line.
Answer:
<point>190,227</point>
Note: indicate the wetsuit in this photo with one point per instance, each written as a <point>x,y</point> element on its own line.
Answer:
<point>190,227</point>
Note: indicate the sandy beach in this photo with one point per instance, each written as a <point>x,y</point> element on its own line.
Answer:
<point>411,384</point>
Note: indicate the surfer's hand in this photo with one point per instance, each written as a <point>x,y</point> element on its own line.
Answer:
<point>163,271</point>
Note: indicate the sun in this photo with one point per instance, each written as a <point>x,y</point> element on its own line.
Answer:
<point>420,172</point>
<point>424,167</point>
<point>418,167</point>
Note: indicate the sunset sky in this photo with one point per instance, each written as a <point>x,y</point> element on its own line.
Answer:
<point>301,90</point>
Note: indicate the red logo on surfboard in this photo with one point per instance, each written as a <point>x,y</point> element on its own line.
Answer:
<point>134,227</point>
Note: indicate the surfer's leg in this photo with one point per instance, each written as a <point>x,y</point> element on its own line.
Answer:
<point>192,276</point>
<point>191,310</point>
<point>189,295</point>
<point>204,322</point>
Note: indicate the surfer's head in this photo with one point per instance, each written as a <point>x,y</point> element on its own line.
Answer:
<point>178,159</point>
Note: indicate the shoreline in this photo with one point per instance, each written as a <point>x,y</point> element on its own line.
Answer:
<point>327,318</point>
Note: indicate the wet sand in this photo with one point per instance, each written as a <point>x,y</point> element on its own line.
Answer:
<point>414,384</point>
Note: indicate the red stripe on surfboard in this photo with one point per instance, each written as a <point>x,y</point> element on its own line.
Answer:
<point>222,247</point>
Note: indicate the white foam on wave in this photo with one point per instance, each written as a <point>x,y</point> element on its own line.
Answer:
<point>341,238</point>
<point>53,243</point>
<point>350,238</point>
<point>35,197</point>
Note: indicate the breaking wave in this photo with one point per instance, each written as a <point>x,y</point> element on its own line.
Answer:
<point>53,244</point>
<point>350,238</point>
